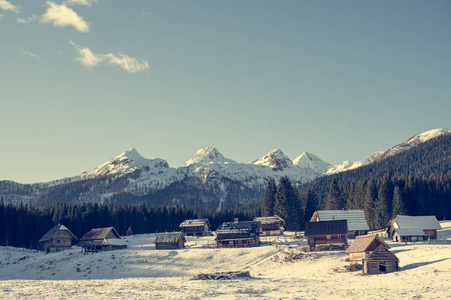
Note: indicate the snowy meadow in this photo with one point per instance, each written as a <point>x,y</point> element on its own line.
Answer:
<point>141,272</point>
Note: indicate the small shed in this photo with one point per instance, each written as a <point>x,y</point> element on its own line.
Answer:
<point>413,229</point>
<point>58,238</point>
<point>102,239</point>
<point>380,261</point>
<point>363,246</point>
<point>173,240</point>
<point>326,235</point>
<point>357,224</point>
<point>196,227</point>
<point>238,234</point>
<point>271,225</point>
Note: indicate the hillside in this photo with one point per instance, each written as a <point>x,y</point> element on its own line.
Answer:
<point>141,272</point>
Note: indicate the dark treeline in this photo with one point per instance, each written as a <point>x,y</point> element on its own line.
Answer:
<point>23,226</point>
<point>384,198</point>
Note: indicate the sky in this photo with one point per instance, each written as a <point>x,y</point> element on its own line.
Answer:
<point>82,81</point>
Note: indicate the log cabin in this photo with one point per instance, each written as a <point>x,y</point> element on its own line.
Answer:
<point>326,235</point>
<point>196,227</point>
<point>363,246</point>
<point>58,238</point>
<point>238,234</point>
<point>357,224</point>
<point>413,229</point>
<point>102,239</point>
<point>271,225</point>
<point>380,261</point>
<point>173,240</point>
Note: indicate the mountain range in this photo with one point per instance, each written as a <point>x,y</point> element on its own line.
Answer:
<point>207,180</point>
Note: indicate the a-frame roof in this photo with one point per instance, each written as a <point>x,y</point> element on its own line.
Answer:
<point>379,249</point>
<point>421,222</point>
<point>99,234</point>
<point>49,235</point>
<point>356,218</point>
<point>365,243</point>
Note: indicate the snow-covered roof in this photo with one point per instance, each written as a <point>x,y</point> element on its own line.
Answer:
<point>194,223</point>
<point>356,218</point>
<point>269,220</point>
<point>410,231</point>
<point>421,222</point>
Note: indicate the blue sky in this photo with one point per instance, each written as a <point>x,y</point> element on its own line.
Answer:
<point>82,81</point>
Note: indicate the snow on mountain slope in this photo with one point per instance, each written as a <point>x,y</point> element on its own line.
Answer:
<point>125,162</point>
<point>275,159</point>
<point>415,140</point>
<point>347,165</point>
<point>310,161</point>
<point>207,155</point>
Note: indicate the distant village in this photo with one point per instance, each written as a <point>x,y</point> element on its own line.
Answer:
<point>328,230</point>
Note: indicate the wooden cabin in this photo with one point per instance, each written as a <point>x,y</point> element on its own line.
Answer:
<point>58,238</point>
<point>363,246</point>
<point>238,234</point>
<point>271,225</point>
<point>357,224</point>
<point>102,239</point>
<point>196,227</point>
<point>380,261</point>
<point>173,240</point>
<point>326,235</point>
<point>413,229</point>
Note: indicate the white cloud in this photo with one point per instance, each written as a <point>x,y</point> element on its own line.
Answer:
<point>130,64</point>
<point>61,15</point>
<point>89,59</point>
<point>86,57</point>
<point>5,5</point>
<point>25,21</point>
<point>37,57</point>
<point>80,2</point>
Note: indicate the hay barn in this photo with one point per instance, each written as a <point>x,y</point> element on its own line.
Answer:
<point>380,261</point>
<point>196,227</point>
<point>102,239</point>
<point>271,225</point>
<point>173,240</point>
<point>363,246</point>
<point>58,238</point>
<point>326,235</point>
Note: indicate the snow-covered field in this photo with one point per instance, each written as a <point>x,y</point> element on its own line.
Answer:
<point>141,272</point>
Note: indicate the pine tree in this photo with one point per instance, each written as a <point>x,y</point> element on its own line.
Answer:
<point>311,205</point>
<point>398,203</point>
<point>287,204</point>
<point>335,199</point>
<point>269,199</point>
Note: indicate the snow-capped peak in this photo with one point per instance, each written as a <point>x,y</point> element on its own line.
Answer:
<point>415,140</point>
<point>275,159</point>
<point>207,155</point>
<point>347,165</point>
<point>310,161</point>
<point>125,162</point>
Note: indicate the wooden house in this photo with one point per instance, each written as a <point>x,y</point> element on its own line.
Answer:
<point>58,238</point>
<point>380,261</point>
<point>271,225</point>
<point>363,246</point>
<point>102,239</point>
<point>173,240</point>
<point>413,229</point>
<point>238,234</point>
<point>196,227</point>
<point>326,235</point>
<point>357,224</point>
